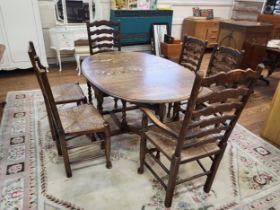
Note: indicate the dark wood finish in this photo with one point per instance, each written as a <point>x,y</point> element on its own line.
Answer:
<point>251,118</point>
<point>224,59</point>
<point>71,122</point>
<point>191,57</point>
<point>64,93</point>
<point>252,37</point>
<point>202,29</point>
<point>103,36</point>
<point>204,130</point>
<point>138,77</point>
<point>192,53</point>
<point>274,20</point>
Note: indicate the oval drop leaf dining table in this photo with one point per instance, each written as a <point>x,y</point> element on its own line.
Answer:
<point>135,77</point>
<point>138,77</point>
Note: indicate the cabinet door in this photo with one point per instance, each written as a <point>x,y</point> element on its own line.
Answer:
<point>20,25</point>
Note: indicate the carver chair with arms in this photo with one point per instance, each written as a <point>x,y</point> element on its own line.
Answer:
<point>224,59</point>
<point>69,123</point>
<point>103,36</point>
<point>203,132</point>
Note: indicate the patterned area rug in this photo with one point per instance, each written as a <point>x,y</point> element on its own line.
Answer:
<point>32,175</point>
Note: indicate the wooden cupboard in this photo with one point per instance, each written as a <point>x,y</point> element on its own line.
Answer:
<point>252,37</point>
<point>202,28</point>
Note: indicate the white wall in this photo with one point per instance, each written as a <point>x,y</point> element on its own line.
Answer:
<point>183,8</point>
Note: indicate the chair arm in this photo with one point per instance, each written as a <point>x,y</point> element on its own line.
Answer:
<point>158,123</point>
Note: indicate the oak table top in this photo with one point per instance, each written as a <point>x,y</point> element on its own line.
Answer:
<point>138,77</point>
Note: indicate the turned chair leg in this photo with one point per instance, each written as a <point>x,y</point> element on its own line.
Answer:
<point>124,125</point>
<point>107,140</point>
<point>89,92</point>
<point>174,168</point>
<point>100,99</point>
<point>176,111</point>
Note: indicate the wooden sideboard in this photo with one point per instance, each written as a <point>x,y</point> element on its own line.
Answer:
<point>246,35</point>
<point>271,129</point>
<point>275,21</point>
<point>202,28</point>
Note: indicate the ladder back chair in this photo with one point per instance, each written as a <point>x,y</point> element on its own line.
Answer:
<point>64,93</point>
<point>192,53</point>
<point>224,59</point>
<point>103,36</point>
<point>72,122</point>
<point>203,132</point>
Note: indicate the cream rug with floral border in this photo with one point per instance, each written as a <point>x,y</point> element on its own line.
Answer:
<point>32,175</point>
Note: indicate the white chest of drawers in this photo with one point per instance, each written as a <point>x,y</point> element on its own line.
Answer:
<point>63,37</point>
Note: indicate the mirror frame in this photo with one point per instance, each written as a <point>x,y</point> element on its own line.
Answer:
<point>64,10</point>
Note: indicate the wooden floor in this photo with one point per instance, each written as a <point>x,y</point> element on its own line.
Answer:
<point>252,117</point>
